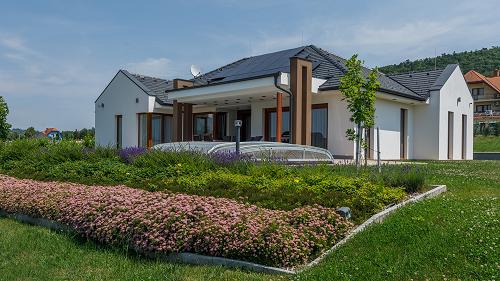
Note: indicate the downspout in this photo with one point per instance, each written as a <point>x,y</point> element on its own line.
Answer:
<point>290,96</point>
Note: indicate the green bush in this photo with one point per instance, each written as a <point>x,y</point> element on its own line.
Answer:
<point>283,190</point>
<point>269,184</point>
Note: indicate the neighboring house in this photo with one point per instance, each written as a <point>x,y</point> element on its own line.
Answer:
<point>422,115</point>
<point>486,94</point>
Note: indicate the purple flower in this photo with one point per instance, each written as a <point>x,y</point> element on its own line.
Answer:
<point>228,157</point>
<point>128,154</point>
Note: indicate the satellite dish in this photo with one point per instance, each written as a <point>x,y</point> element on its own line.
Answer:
<point>195,71</point>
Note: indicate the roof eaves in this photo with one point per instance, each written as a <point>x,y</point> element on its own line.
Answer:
<point>224,82</point>
<point>382,90</point>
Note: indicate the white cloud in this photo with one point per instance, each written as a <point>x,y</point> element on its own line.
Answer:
<point>156,67</point>
<point>36,81</point>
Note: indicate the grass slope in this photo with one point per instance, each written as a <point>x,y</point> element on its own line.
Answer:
<point>454,236</point>
<point>35,253</point>
<point>486,144</point>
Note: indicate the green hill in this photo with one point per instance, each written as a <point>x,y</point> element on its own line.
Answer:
<point>485,61</point>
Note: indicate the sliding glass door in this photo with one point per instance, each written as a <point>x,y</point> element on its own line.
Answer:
<point>270,126</point>
<point>154,128</point>
<point>203,129</point>
<point>319,126</point>
<point>143,130</point>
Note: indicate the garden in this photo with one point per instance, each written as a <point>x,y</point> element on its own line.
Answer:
<point>219,205</point>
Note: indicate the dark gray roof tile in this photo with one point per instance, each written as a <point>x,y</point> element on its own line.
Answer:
<point>151,85</point>
<point>422,82</point>
<point>326,66</point>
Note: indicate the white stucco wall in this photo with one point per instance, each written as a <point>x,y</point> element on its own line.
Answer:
<point>119,98</point>
<point>426,129</point>
<point>338,123</point>
<point>453,89</point>
<point>388,119</point>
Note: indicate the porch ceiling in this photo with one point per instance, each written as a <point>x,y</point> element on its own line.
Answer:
<point>234,94</point>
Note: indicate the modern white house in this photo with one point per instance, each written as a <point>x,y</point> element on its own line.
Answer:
<point>290,96</point>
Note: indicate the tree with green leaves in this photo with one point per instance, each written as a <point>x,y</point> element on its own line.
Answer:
<point>359,93</point>
<point>4,126</point>
<point>30,133</point>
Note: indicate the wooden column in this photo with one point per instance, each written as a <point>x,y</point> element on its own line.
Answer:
<point>306,103</point>
<point>188,122</point>
<point>300,86</point>
<point>279,115</point>
<point>177,121</point>
<point>150,129</point>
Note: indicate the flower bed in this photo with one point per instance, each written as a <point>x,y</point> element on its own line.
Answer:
<point>159,222</point>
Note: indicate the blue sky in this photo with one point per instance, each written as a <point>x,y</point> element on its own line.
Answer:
<point>57,56</point>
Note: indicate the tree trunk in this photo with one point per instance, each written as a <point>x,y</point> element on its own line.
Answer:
<point>358,146</point>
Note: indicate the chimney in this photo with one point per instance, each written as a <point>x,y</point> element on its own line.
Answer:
<point>496,73</point>
<point>181,83</point>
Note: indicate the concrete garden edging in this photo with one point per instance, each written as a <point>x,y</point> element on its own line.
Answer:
<point>377,218</point>
<point>196,259</point>
<point>188,258</point>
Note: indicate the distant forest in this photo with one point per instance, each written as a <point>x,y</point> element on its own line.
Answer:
<point>484,61</point>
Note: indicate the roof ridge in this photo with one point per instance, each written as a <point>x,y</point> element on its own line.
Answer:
<point>157,78</point>
<point>327,55</point>
<point>322,52</point>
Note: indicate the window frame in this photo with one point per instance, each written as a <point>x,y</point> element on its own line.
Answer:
<point>149,124</point>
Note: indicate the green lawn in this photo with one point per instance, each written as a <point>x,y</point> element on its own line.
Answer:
<point>486,144</point>
<point>455,236</point>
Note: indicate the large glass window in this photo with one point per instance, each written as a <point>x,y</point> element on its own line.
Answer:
<point>271,125</point>
<point>167,128</point>
<point>156,129</point>
<point>203,127</point>
<point>143,130</point>
<point>161,129</point>
<point>319,128</point>
<point>221,126</point>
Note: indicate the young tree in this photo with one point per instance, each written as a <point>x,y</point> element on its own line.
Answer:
<point>4,126</point>
<point>359,92</point>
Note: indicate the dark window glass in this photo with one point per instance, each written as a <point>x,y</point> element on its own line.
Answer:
<point>285,126</point>
<point>203,127</point>
<point>167,128</point>
<point>119,131</point>
<point>143,130</point>
<point>156,129</point>
<point>319,128</point>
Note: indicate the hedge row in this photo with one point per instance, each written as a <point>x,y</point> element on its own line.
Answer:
<point>160,222</point>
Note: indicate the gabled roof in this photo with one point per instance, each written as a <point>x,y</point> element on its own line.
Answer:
<point>422,82</point>
<point>475,77</point>
<point>152,86</point>
<point>326,65</point>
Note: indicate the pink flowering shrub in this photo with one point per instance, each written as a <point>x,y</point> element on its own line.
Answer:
<point>164,223</point>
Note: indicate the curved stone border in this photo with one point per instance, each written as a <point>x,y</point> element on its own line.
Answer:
<point>196,259</point>
<point>377,218</point>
